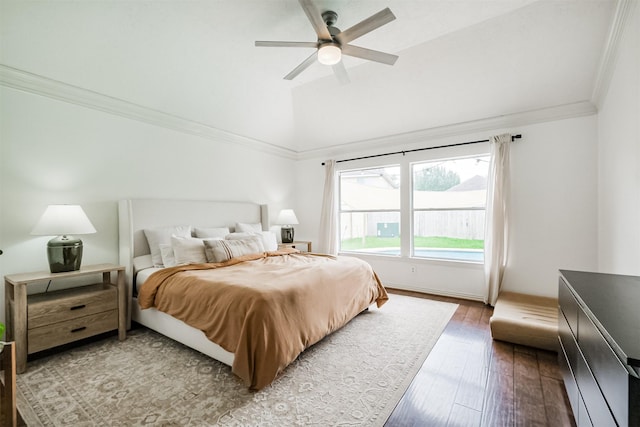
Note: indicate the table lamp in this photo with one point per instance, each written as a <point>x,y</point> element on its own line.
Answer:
<point>65,251</point>
<point>287,218</point>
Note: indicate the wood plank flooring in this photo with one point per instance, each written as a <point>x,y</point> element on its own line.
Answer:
<point>471,380</point>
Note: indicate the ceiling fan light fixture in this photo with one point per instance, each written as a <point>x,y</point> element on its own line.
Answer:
<point>329,54</point>
<point>332,43</point>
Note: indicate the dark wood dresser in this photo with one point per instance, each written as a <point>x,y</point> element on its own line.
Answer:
<point>599,332</point>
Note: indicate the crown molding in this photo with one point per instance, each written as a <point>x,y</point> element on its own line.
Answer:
<point>559,112</point>
<point>44,86</point>
<point>610,52</point>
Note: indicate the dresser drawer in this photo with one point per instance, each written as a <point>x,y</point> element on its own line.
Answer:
<point>568,340</point>
<point>582,417</point>
<point>596,405</point>
<point>611,375</point>
<point>569,305</point>
<point>568,374</point>
<point>71,330</point>
<point>59,306</point>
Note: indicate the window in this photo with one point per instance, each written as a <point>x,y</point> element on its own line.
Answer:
<point>370,210</point>
<point>449,198</point>
<point>445,206</point>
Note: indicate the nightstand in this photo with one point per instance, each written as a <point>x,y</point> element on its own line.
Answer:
<point>41,321</point>
<point>301,245</point>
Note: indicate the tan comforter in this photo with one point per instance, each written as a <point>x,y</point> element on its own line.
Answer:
<point>265,308</point>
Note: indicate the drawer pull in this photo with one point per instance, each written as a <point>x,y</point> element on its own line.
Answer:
<point>78,307</point>
<point>81,328</point>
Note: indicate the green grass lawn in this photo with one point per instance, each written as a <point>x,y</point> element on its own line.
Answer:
<point>371,242</point>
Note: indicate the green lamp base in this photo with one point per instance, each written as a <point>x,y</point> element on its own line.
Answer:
<point>286,233</point>
<point>64,254</point>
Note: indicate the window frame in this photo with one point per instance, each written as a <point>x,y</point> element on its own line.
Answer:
<point>340,211</point>
<point>405,161</point>
<point>414,209</point>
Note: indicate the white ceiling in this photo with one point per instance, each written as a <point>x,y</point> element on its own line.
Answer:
<point>459,61</point>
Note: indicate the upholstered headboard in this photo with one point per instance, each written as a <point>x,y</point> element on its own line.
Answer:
<point>135,215</point>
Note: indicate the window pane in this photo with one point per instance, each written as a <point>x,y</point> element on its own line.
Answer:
<point>459,183</point>
<point>449,198</point>
<point>453,234</point>
<point>370,210</point>
<point>372,232</point>
<point>370,189</point>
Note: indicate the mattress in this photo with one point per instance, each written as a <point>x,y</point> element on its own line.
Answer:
<point>143,275</point>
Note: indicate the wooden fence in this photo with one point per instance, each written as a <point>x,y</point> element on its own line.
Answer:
<point>460,224</point>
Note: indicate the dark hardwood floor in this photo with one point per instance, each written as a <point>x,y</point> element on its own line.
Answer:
<point>471,380</point>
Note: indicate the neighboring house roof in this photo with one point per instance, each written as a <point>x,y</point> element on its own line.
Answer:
<point>476,182</point>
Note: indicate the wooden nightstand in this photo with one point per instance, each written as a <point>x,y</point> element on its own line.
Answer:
<point>301,245</point>
<point>41,321</point>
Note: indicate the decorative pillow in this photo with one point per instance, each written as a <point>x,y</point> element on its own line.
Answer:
<point>207,233</point>
<point>168,257</point>
<point>270,241</point>
<point>242,227</point>
<point>269,238</point>
<point>224,250</point>
<point>188,250</point>
<point>157,236</point>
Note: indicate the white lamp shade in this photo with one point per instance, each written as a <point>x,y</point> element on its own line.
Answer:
<point>329,54</point>
<point>63,219</point>
<point>287,217</point>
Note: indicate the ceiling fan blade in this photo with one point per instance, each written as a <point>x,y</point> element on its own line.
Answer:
<point>316,19</point>
<point>303,66</point>
<point>341,73</point>
<point>371,23</point>
<point>286,44</point>
<point>371,55</point>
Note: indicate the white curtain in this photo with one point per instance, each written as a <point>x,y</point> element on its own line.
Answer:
<point>328,240</point>
<point>497,217</point>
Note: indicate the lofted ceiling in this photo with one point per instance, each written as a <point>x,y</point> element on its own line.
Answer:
<point>459,61</point>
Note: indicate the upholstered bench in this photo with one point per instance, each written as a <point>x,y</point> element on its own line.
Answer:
<point>526,319</point>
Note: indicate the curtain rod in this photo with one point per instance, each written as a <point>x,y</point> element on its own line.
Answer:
<point>421,149</point>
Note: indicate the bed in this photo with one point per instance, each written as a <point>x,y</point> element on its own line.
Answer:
<point>263,308</point>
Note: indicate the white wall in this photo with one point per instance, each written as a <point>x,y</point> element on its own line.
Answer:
<point>56,152</point>
<point>554,203</point>
<point>554,208</point>
<point>619,159</point>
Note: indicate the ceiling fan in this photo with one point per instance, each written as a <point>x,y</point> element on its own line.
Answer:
<point>333,43</point>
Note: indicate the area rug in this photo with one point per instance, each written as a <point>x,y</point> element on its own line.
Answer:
<point>355,376</point>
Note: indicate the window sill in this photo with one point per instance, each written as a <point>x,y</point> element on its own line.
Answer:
<point>415,260</point>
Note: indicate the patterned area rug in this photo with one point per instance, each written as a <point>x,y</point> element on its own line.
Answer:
<point>355,376</point>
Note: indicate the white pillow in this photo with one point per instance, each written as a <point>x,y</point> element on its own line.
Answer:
<point>207,233</point>
<point>242,227</point>
<point>224,250</point>
<point>168,257</point>
<point>269,238</point>
<point>270,241</point>
<point>157,236</point>
<point>188,250</point>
